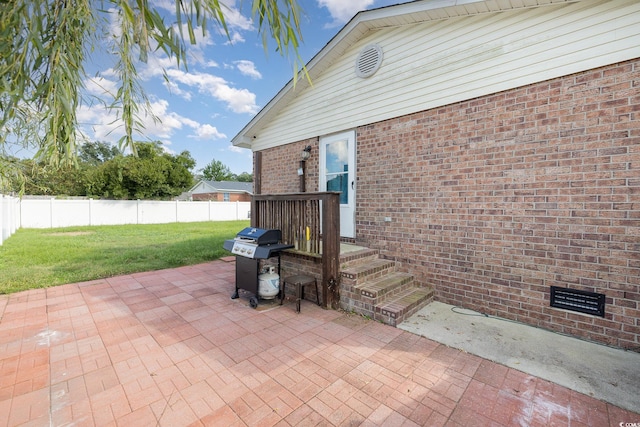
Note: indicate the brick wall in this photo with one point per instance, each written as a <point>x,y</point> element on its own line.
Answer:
<point>293,264</point>
<point>280,168</point>
<point>219,197</point>
<point>495,199</point>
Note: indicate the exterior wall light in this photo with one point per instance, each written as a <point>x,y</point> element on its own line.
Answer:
<point>306,153</point>
<point>304,156</point>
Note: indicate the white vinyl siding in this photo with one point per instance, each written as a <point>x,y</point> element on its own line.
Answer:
<point>440,62</point>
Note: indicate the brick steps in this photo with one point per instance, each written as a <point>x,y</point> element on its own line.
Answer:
<point>371,286</point>
<point>403,306</point>
<point>357,257</point>
<point>391,284</point>
<point>369,270</point>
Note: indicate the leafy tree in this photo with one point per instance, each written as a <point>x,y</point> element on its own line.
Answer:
<point>180,174</point>
<point>217,171</point>
<point>94,153</point>
<point>42,179</point>
<point>44,45</point>
<point>149,150</point>
<point>12,177</point>
<point>105,181</point>
<point>244,177</point>
<point>152,174</point>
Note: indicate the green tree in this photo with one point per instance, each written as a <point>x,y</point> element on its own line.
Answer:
<point>152,174</point>
<point>44,45</point>
<point>105,180</point>
<point>94,153</point>
<point>41,179</point>
<point>180,174</point>
<point>244,177</point>
<point>217,171</point>
<point>12,177</point>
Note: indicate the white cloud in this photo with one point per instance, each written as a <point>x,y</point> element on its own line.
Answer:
<point>342,11</point>
<point>235,38</point>
<point>208,132</point>
<point>191,123</point>
<point>173,88</point>
<point>240,150</point>
<point>201,39</point>
<point>100,86</point>
<point>248,68</point>
<point>235,19</point>
<point>167,5</point>
<point>195,52</point>
<point>232,16</point>
<point>156,65</point>
<point>237,100</point>
<point>109,72</point>
<point>101,124</point>
<point>167,121</point>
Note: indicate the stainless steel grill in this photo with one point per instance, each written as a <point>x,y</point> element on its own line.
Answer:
<point>250,246</point>
<point>255,243</point>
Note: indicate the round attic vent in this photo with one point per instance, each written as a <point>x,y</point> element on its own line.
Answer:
<point>368,61</point>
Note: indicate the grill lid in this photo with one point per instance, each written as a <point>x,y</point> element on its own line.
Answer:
<point>259,236</point>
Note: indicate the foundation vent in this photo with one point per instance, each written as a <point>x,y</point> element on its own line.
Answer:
<point>575,300</point>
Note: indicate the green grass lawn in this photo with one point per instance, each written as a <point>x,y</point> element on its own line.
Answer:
<point>39,258</point>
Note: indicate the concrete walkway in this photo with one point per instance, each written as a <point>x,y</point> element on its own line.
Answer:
<point>606,373</point>
<point>171,348</point>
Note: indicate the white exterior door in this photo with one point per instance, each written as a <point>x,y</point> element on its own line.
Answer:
<point>338,173</point>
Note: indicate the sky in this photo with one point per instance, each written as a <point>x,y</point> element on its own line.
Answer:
<point>228,81</point>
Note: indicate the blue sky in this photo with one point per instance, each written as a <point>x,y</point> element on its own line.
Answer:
<point>226,84</point>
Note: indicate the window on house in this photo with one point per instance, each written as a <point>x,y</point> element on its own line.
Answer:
<point>225,197</point>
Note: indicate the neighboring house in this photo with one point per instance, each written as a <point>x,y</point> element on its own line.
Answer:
<point>222,191</point>
<point>490,148</point>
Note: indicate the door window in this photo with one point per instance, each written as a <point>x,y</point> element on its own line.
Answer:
<point>337,169</point>
<point>338,173</point>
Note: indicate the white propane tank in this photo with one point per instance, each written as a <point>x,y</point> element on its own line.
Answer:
<point>268,284</point>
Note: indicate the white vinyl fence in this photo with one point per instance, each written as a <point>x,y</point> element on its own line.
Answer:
<point>53,213</point>
<point>9,216</point>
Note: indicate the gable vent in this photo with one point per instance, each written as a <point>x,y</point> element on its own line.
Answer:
<point>368,61</point>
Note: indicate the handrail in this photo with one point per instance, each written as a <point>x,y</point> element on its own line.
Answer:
<point>310,222</point>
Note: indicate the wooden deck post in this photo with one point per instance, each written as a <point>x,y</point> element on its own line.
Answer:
<point>331,251</point>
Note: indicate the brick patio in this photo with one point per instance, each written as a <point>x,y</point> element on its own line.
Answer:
<point>171,348</point>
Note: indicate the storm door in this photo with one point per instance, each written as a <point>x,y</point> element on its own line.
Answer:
<point>338,173</point>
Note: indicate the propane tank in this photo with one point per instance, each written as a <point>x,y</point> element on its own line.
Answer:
<point>268,284</point>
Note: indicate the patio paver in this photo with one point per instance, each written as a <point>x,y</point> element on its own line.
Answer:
<point>171,348</point>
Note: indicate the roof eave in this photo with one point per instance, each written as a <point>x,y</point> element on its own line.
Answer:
<point>362,23</point>
<point>246,136</point>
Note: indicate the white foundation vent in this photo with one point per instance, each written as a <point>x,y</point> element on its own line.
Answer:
<point>368,61</point>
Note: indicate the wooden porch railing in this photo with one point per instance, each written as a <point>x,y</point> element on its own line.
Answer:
<point>310,222</point>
